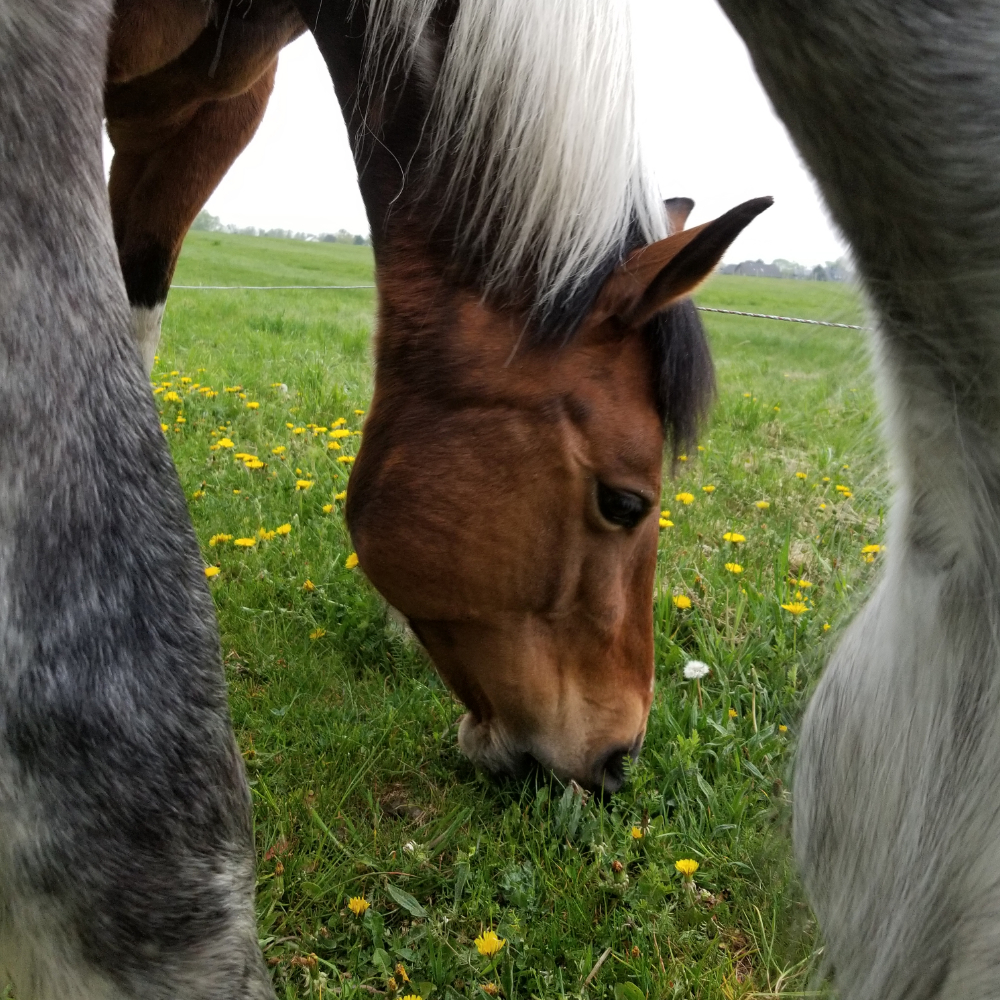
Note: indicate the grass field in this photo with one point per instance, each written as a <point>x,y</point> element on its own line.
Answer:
<point>350,738</point>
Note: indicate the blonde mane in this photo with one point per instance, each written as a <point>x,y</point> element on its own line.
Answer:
<point>533,115</point>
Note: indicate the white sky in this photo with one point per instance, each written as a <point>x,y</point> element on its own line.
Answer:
<point>710,131</point>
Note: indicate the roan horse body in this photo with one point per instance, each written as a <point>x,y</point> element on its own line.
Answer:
<point>125,848</point>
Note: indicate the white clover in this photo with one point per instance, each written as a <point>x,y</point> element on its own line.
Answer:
<point>694,670</point>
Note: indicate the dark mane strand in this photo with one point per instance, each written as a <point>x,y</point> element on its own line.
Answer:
<point>684,373</point>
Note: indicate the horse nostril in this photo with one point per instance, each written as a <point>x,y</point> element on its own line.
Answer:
<point>611,773</point>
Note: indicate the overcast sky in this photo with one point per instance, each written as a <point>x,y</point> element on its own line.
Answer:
<point>710,130</point>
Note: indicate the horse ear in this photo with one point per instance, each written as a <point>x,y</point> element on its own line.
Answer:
<point>678,210</point>
<point>655,276</point>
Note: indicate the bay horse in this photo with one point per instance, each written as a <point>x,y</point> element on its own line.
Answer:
<point>519,540</point>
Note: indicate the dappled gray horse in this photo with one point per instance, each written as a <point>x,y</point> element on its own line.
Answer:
<point>896,108</point>
<point>125,849</point>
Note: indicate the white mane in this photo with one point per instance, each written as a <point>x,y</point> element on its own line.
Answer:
<point>534,108</point>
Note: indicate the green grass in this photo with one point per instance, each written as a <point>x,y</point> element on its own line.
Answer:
<point>350,738</point>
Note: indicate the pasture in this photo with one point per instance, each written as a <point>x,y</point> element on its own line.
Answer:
<point>349,737</point>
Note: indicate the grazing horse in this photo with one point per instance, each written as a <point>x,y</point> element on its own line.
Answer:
<point>519,539</point>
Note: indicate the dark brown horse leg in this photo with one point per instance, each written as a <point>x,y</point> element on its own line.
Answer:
<point>156,195</point>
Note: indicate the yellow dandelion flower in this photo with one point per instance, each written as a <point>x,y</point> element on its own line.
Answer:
<point>708,489</point>
<point>327,508</point>
<point>245,543</point>
<point>871,548</point>
<point>682,601</point>
<point>665,522</point>
<point>243,456</point>
<point>215,539</point>
<point>700,448</point>
<point>289,426</point>
<point>359,413</point>
<point>211,571</point>
<point>664,513</point>
<point>357,905</point>
<point>164,428</point>
<point>777,409</point>
<point>732,713</point>
<point>782,729</point>
<point>339,422</point>
<point>303,484</point>
<point>332,446</point>
<point>401,972</point>
<point>734,536</point>
<point>309,586</point>
<point>254,463</point>
<point>762,504</point>
<point>412,996</point>
<point>801,475</point>
<point>158,390</point>
<point>342,495</point>
<point>283,529</point>
<point>826,626</point>
<point>734,568</point>
<point>346,459</point>
<point>340,433</point>
<point>280,450</point>
<point>171,397</point>
<point>197,494</point>
<point>684,498</point>
<point>299,430</point>
<point>822,506</point>
<point>636,833</point>
<point>845,467</point>
<point>746,395</point>
<point>319,430</point>
<point>795,608</point>
<point>224,442</point>
<point>317,633</point>
<point>175,372</point>
<point>489,944</point>
<point>351,561</point>
<point>804,583</point>
<point>180,420</point>
<point>687,867</point>
<point>253,405</point>
<point>265,535</point>
<point>185,380</point>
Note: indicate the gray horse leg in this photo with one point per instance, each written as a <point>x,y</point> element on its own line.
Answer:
<point>126,855</point>
<point>896,108</point>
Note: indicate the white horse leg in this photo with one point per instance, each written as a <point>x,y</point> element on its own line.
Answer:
<point>146,323</point>
<point>896,108</point>
<point>126,852</point>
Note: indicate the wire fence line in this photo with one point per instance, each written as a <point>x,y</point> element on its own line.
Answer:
<point>711,309</point>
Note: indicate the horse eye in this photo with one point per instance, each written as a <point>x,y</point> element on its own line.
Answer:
<point>621,507</point>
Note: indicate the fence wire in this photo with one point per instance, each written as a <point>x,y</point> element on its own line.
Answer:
<point>711,309</point>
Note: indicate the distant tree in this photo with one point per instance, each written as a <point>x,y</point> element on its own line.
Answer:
<point>206,222</point>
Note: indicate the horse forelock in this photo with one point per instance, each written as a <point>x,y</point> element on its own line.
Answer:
<point>531,141</point>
